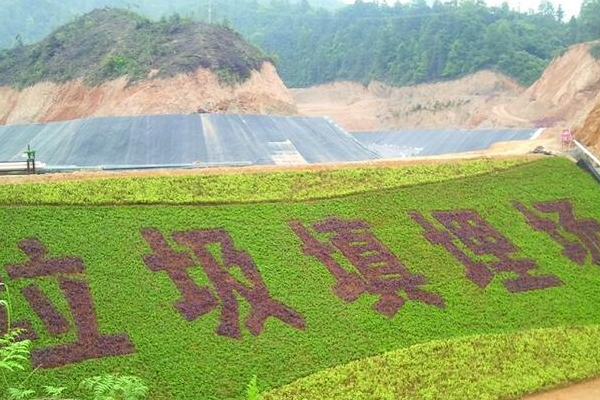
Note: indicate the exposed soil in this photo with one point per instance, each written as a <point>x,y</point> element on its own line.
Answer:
<point>589,390</point>
<point>378,106</point>
<point>262,93</point>
<point>589,132</point>
<point>561,98</point>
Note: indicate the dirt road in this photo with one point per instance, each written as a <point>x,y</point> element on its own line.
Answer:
<point>589,390</point>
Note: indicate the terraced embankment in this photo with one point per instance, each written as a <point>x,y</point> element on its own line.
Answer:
<point>197,283</point>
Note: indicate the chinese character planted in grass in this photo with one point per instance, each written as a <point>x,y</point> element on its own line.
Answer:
<point>380,272</point>
<point>480,238</point>
<point>26,330</point>
<point>584,232</point>
<point>196,301</point>
<point>68,272</point>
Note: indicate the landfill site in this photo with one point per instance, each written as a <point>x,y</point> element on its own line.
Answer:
<point>229,140</point>
<point>174,124</point>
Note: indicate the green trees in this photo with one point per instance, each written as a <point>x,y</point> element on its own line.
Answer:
<point>110,43</point>
<point>401,44</point>
<point>589,20</point>
<point>404,43</point>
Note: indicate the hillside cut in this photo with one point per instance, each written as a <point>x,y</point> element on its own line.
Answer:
<point>114,62</point>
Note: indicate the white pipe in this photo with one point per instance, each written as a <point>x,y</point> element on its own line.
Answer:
<point>18,166</point>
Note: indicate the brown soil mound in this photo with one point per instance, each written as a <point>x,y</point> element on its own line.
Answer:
<point>262,93</point>
<point>589,390</point>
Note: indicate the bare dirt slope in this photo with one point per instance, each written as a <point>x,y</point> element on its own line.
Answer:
<point>583,391</point>
<point>562,97</point>
<point>378,106</point>
<point>262,93</point>
<point>589,133</point>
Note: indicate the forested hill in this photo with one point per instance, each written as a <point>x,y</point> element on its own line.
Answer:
<point>401,44</point>
<point>106,44</point>
<point>408,43</point>
<point>31,20</point>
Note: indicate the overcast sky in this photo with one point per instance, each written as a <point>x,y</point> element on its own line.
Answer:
<point>571,7</point>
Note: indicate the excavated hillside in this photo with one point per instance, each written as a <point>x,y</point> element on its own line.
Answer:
<point>589,133</point>
<point>114,62</point>
<point>561,98</point>
<point>428,106</point>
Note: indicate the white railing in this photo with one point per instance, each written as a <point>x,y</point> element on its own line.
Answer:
<point>588,153</point>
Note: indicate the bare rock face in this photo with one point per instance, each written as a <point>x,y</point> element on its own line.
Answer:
<point>262,93</point>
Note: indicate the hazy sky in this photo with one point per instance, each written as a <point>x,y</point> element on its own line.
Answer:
<point>571,7</point>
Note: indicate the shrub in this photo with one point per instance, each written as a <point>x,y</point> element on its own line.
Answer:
<point>595,51</point>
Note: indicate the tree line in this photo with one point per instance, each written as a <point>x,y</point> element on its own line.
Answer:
<point>401,43</point>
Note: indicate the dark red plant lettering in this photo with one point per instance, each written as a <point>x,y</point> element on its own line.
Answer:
<point>53,320</point>
<point>198,301</point>
<point>195,301</point>
<point>481,239</point>
<point>587,231</point>
<point>90,343</point>
<point>28,333</point>
<point>379,270</point>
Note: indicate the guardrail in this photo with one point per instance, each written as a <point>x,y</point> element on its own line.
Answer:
<point>588,159</point>
<point>588,153</point>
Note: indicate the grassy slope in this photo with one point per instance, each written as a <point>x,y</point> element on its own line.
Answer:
<point>486,367</point>
<point>131,298</point>
<point>241,188</point>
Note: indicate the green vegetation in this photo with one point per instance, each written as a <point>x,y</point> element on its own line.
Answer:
<point>109,43</point>
<point>14,355</point>
<point>595,51</point>
<point>188,360</point>
<point>505,366</point>
<point>237,188</point>
<point>115,387</point>
<point>401,44</point>
<point>27,20</point>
